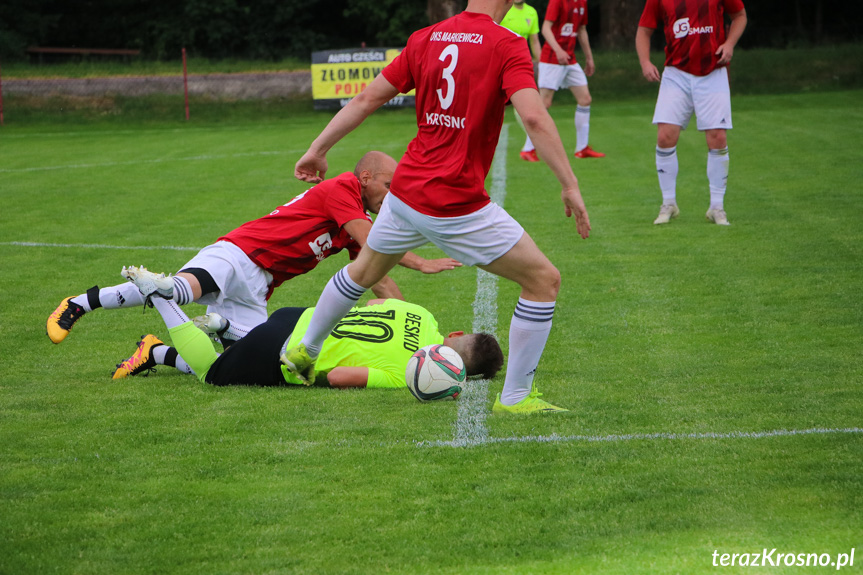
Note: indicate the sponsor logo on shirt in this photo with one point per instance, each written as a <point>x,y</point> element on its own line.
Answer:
<point>444,120</point>
<point>682,29</point>
<point>469,37</point>
<point>320,245</point>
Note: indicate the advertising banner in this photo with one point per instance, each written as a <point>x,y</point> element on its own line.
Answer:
<point>339,75</point>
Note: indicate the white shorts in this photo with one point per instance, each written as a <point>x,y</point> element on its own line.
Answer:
<point>557,76</point>
<point>681,94</point>
<point>243,286</point>
<point>478,238</point>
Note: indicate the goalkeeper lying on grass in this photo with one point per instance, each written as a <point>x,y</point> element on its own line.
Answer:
<point>370,347</point>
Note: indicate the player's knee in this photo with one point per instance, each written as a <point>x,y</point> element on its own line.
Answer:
<point>667,138</point>
<point>544,285</point>
<point>554,282</point>
<point>716,139</point>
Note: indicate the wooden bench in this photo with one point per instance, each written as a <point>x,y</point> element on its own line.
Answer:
<point>84,52</point>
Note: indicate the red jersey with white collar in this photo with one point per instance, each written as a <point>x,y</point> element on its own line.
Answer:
<point>567,16</point>
<point>295,237</point>
<point>694,30</point>
<point>464,70</point>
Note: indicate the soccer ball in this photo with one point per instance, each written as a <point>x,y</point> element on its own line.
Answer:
<point>435,372</point>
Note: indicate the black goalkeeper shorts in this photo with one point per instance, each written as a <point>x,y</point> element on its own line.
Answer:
<point>254,360</point>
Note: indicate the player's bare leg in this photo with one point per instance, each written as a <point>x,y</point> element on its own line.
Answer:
<point>530,326</point>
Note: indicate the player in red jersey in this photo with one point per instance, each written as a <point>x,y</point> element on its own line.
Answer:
<point>565,23</point>
<point>695,81</point>
<point>236,276</point>
<point>464,70</point>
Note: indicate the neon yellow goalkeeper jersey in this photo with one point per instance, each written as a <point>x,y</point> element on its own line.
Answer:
<point>381,337</point>
<point>524,21</point>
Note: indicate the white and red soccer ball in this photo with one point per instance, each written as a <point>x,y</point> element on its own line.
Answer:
<point>435,372</point>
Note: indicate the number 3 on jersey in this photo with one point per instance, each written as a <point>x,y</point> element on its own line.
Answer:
<point>451,52</point>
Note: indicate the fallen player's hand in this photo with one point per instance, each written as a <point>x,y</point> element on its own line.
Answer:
<point>439,265</point>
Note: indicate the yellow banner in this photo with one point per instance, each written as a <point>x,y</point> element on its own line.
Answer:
<point>339,75</point>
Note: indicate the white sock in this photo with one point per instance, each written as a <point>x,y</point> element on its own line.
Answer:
<point>717,176</point>
<point>114,297</point>
<point>528,145</point>
<point>528,333</point>
<point>171,313</point>
<point>338,297</point>
<point>236,331</point>
<point>582,127</point>
<point>160,354</point>
<point>181,364</point>
<point>666,169</point>
<point>82,301</point>
<point>182,291</point>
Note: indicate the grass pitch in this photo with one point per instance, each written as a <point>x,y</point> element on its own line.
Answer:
<point>713,374</point>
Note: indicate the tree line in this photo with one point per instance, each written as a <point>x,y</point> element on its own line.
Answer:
<point>276,29</point>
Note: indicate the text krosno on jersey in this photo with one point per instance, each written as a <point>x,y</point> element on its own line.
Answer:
<point>444,120</point>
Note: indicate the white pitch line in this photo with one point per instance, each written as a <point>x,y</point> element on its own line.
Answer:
<point>205,157</point>
<point>554,438</point>
<point>97,246</point>
<point>470,426</point>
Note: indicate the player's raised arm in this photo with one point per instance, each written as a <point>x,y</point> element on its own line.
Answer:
<point>312,167</point>
<point>542,130</point>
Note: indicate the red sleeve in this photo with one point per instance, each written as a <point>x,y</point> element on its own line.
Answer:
<point>343,201</point>
<point>398,72</point>
<point>517,66</point>
<point>732,6</point>
<point>552,13</point>
<point>650,16</point>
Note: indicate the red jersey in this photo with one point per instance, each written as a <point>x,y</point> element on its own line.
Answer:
<point>294,238</point>
<point>567,16</point>
<point>694,30</point>
<point>464,70</point>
